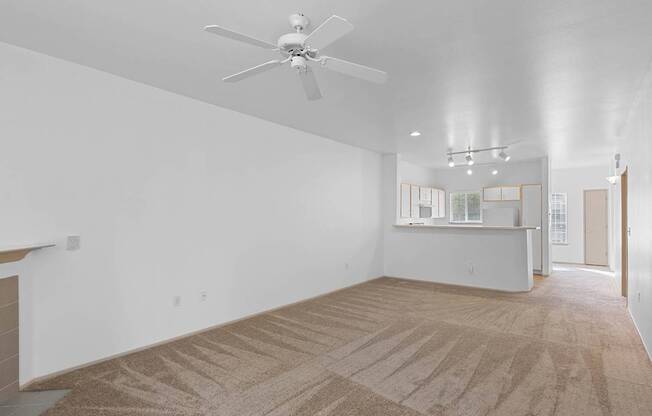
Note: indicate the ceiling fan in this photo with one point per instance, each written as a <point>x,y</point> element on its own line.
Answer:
<point>301,51</point>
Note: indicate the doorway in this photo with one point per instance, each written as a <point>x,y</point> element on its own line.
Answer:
<point>624,234</point>
<point>596,227</point>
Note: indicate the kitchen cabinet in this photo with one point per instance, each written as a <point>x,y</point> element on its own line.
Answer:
<point>425,195</point>
<point>414,197</point>
<point>492,194</point>
<point>511,193</point>
<point>405,200</point>
<point>501,193</point>
<point>441,196</point>
<point>414,202</point>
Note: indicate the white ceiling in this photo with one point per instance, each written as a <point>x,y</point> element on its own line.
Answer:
<point>550,77</point>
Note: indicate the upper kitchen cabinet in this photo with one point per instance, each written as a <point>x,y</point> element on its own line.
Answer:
<point>501,193</point>
<point>422,202</point>
<point>511,193</point>
<point>492,194</point>
<point>405,200</point>
<point>425,195</point>
<point>415,202</point>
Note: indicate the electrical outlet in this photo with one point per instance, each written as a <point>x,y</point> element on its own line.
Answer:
<point>73,242</point>
<point>203,295</point>
<point>176,301</point>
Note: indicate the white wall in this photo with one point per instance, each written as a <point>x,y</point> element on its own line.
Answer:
<point>574,182</point>
<point>171,196</point>
<point>636,151</point>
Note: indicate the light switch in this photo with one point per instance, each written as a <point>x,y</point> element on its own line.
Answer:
<point>73,243</point>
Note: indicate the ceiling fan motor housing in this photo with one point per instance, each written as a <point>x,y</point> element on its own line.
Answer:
<point>291,42</point>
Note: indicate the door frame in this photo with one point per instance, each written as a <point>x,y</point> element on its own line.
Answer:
<point>540,185</point>
<point>606,221</point>
<point>624,235</point>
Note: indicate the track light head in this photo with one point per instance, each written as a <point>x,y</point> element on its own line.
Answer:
<point>504,156</point>
<point>451,162</point>
<point>469,159</point>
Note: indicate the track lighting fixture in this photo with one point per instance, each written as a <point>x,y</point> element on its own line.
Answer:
<point>469,156</point>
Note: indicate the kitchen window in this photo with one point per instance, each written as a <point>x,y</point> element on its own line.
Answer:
<point>559,219</point>
<point>465,207</point>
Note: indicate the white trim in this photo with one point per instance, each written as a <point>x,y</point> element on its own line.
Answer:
<point>647,350</point>
<point>26,385</point>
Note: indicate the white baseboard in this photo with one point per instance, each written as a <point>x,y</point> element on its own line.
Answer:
<point>647,350</point>
<point>27,384</point>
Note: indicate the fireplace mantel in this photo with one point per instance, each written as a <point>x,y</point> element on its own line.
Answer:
<point>18,252</point>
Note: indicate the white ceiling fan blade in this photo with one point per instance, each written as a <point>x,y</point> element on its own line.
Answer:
<point>310,85</point>
<point>227,33</point>
<point>252,71</point>
<point>355,70</point>
<point>328,32</point>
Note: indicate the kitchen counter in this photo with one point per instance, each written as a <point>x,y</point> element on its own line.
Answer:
<point>468,226</point>
<point>489,257</point>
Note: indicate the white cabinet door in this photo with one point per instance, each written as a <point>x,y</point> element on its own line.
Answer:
<point>414,203</point>
<point>434,213</point>
<point>425,194</point>
<point>511,193</point>
<point>442,203</point>
<point>405,200</point>
<point>492,194</point>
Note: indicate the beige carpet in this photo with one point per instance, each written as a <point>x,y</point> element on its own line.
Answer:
<point>393,347</point>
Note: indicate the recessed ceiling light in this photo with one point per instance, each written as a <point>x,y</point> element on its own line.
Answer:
<point>415,133</point>
<point>494,172</point>
<point>451,162</point>
<point>469,172</point>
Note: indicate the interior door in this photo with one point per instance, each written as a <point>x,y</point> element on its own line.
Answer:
<point>596,236</point>
<point>531,211</point>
